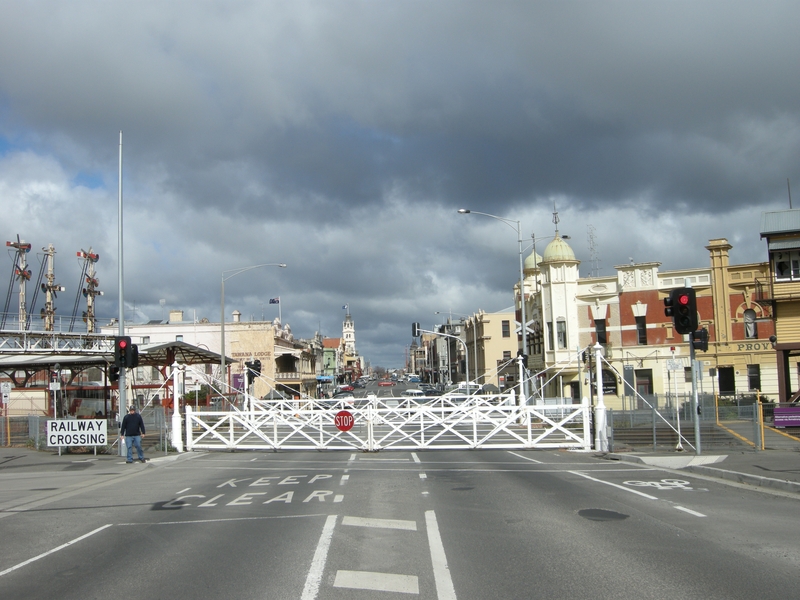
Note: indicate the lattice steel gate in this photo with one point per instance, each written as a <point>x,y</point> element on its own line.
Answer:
<point>391,424</point>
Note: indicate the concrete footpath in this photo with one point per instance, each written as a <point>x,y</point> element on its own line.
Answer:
<point>773,469</point>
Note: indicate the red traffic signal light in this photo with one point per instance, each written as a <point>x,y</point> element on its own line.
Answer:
<point>122,346</point>
<point>126,354</point>
<point>682,307</point>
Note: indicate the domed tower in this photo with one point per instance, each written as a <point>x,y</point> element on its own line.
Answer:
<point>559,307</point>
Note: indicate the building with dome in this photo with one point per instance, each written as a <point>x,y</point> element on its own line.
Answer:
<point>624,312</point>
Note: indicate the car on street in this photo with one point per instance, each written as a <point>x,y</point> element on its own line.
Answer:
<point>386,383</point>
<point>346,388</point>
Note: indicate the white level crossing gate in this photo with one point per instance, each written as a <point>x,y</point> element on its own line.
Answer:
<point>391,424</point>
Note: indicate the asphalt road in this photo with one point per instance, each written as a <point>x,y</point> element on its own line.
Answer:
<point>340,525</point>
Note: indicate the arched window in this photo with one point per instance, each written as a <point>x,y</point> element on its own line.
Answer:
<point>750,325</point>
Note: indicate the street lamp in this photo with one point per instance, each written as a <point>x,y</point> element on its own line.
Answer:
<point>513,225</point>
<point>233,273</point>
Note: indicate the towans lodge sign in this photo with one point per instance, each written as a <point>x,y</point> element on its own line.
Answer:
<point>77,432</point>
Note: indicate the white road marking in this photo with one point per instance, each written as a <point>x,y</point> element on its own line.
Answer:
<point>254,459</point>
<point>538,462</point>
<point>691,512</point>
<point>441,572</point>
<point>415,457</point>
<point>424,493</point>
<point>370,459</point>
<point>61,547</point>
<point>338,498</point>
<point>344,479</point>
<point>352,457</point>
<point>380,523</point>
<point>622,487</point>
<point>379,582</point>
<point>183,491</point>
<point>423,476</point>
<point>314,577</point>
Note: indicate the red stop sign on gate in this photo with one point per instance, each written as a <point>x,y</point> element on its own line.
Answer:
<point>344,421</point>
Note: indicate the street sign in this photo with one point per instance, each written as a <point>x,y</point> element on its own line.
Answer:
<point>344,420</point>
<point>675,365</point>
<point>77,432</point>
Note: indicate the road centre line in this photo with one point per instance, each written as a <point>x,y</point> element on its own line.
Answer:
<point>314,577</point>
<point>691,512</point>
<point>423,476</point>
<point>415,457</point>
<point>380,523</point>
<point>61,547</point>
<point>622,487</point>
<point>441,572</point>
<point>344,479</point>
<point>538,462</point>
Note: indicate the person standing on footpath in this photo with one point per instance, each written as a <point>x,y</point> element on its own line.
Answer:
<point>132,431</point>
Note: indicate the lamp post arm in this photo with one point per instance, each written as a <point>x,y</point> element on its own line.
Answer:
<point>233,273</point>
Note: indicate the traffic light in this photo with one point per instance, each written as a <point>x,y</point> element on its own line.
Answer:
<point>249,372</point>
<point>415,330</point>
<point>126,354</point>
<point>122,346</point>
<point>699,339</point>
<point>132,356</point>
<point>113,373</point>
<point>681,305</point>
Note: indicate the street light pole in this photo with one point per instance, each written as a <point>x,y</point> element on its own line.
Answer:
<point>233,273</point>
<point>514,225</point>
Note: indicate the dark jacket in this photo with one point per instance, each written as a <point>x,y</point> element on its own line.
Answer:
<point>132,424</point>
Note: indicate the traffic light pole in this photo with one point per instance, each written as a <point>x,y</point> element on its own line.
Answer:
<point>695,404</point>
<point>122,404</point>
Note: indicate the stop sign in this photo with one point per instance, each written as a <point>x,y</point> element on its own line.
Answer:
<point>344,421</point>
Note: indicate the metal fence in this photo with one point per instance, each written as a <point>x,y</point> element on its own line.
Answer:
<point>31,431</point>
<point>725,422</point>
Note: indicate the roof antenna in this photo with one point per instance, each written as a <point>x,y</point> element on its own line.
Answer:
<point>789,185</point>
<point>555,217</point>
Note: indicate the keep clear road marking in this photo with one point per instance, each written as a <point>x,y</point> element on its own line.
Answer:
<point>648,496</point>
<point>538,462</point>
<point>61,547</point>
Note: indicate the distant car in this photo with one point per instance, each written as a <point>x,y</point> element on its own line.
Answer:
<point>385,383</point>
<point>346,388</point>
<point>339,395</point>
<point>358,384</point>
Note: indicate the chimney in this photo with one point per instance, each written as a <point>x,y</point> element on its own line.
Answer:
<point>176,316</point>
<point>237,316</point>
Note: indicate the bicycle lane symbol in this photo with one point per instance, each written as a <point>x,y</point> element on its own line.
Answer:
<point>664,484</point>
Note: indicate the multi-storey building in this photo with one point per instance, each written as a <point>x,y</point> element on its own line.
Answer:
<point>624,312</point>
<point>491,347</point>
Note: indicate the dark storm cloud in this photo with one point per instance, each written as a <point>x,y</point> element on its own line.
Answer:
<point>341,137</point>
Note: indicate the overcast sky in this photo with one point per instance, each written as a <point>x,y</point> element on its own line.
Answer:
<point>342,137</point>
